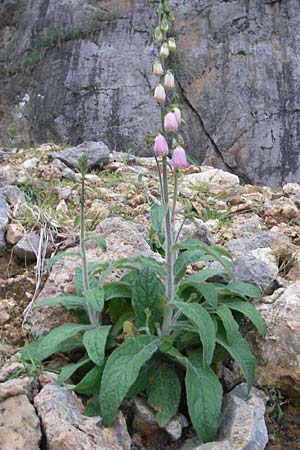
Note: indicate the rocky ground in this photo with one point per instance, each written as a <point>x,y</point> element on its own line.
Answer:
<point>39,203</point>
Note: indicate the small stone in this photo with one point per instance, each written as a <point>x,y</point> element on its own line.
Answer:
<point>69,173</point>
<point>13,195</point>
<point>4,210</point>
<point>64,192</point>
<point>62,207</point>
<point>281,210</point>
<point>30,164</point>
<point>97,154</point>
<point>9,369</point>
<point>92,177</point>
<point>14,233</point>
<point>175,426</point>
<point>27,248</point>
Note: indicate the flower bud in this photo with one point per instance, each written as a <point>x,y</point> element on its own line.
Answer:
<point>160,147</point>
<point>158,36</point>
<point>172,45</point>
<point>160,93</point>
<point>164,50</point>
<point>170,122</point>
<point>177,113</point>
<point>164,24</point>
<point>179,158</point>
<point>158,69</point>
<point>169,81</point>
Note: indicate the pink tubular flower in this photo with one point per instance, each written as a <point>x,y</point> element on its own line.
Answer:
<point>160,147</point>
<point>160,93</point>
<point>170,122</point>
<point>177,113</point>
<point>179,158</point>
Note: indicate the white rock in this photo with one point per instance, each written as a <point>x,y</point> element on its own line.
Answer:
<point>30,164</point>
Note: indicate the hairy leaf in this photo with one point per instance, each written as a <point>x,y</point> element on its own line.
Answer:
<point>50,343</point>
<point>204,398</point>
<point>198,277</point>
<point>68,370</point>
<point>240,351</point>
<point>249,311</point>
<point>69,301</point>
<point>117,289</point>
<point>90,383</point>
<point>121,371</point>
<point>148,294</point>
<point>78,281</point>
<point>198,315</point>
<point>246,289</point>
<point>164,394</point>
<point>184,259</point>
<point>58,256</point>
<point>95,298</point>
<point>94,341</point>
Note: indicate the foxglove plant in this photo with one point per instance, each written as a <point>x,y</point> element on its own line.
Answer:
<point>164,326</point>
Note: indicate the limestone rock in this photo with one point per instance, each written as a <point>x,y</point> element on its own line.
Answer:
<point>27,248</point>
<point>65,427</point>
<point>14,233</point>
<point>243,427</point>
<point>19,425</point>
<point>194,181</point>
<point>4,209</point>
<point>13,195</point>
<point>97,154</point>
<point>30,164</point>
<point>252,270</point>
<point>281,210</point>
<point>278,353</point>
<point>266,239</point>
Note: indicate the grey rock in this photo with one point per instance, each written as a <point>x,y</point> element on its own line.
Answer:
<point>196,229</point>
<point>266,239</point>
<point>26,249</point>
<point>13,195</point>
<point>124,157</point>
<point>145,424</point>
<point>243,427</point>
<point>252,270</point>
<point>65,426</point>
<point>19,425</point>
<point>68,173</point>
<point>278,353</point>
<point>100,90</point>
<point>97,154</point>
<point>4,209</point>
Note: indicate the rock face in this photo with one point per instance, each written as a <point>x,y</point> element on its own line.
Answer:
<point>60,411</point>
<point>236,69</point>
<point>278,353</point>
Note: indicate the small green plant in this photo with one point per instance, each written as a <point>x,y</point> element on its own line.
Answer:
<point>165,331</point>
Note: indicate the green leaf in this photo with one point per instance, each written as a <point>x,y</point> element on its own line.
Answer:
<point>95,298</point>
<point>58,256</point>
<point>198,315</point>
<point>68,370</point>
<point>229,322</point>
<point>183,260</point>
<point>121,371</point>
<point>142,380</point>
<point>94,342</point>
<point>93,407</point>
<point>117,307</point>
<point>69,301</point>
<point>218,253</point>
<point>100,241</point>
<point>240,351</point>
<point>249,311</point>
<point>198,277</point>
<point>148,293</point>
<point>78,280</point>
<point>164,393</point>
<point>204,399</point>
<point>127,316</point>
<point>209,292</point>
<point>90,383</point>
<point>49,344</point>
<point>246,289</point>
<point>157,215</point>
<point>117,289</point>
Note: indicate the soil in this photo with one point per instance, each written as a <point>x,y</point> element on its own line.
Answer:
<point>285,434</point>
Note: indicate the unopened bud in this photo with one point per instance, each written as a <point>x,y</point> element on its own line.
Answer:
<point>160,93</point>
<point>179,158</point>
<point>158,36</point>
<point>177,113</point>
<point>169,81</point>
<point>158,69</point>
<point>164,50</point>
<point>170,122</point>
<point>172,44</point>
<point>164,24</point>
<point>160,147</point>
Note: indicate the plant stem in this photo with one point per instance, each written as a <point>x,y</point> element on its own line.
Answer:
<point>175,198</point>
<point>168,311</point>
<point>85,276</point>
